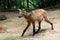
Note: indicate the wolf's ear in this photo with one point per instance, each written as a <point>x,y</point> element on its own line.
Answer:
<point>23,9</point>
<point>19,9</point>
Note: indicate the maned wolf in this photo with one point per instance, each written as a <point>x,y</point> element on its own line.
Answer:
<point>32,16</point>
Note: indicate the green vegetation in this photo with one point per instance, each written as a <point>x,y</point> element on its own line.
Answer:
<point>16,4</point>
<point>12,38</point>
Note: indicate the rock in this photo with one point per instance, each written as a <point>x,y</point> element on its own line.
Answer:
<point>1,26</point>
<point>3,17</point>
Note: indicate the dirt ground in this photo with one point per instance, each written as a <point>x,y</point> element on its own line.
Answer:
<point>14,26</point>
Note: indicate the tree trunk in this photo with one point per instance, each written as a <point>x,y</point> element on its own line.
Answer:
<point>27,3</point>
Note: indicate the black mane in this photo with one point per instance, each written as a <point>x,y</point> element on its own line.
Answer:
<point>28,10</point>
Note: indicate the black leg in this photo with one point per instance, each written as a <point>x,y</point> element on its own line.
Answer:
<point>25,29</point>
<point>33,29</point>
<point>39,27</point>
<point>52,26</point>
<point>50,23</point>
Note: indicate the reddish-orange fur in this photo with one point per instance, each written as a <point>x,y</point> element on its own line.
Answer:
<point>33,16</point>
<point>1,26</point>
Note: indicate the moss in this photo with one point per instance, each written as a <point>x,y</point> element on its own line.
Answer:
<point>12,38</point>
